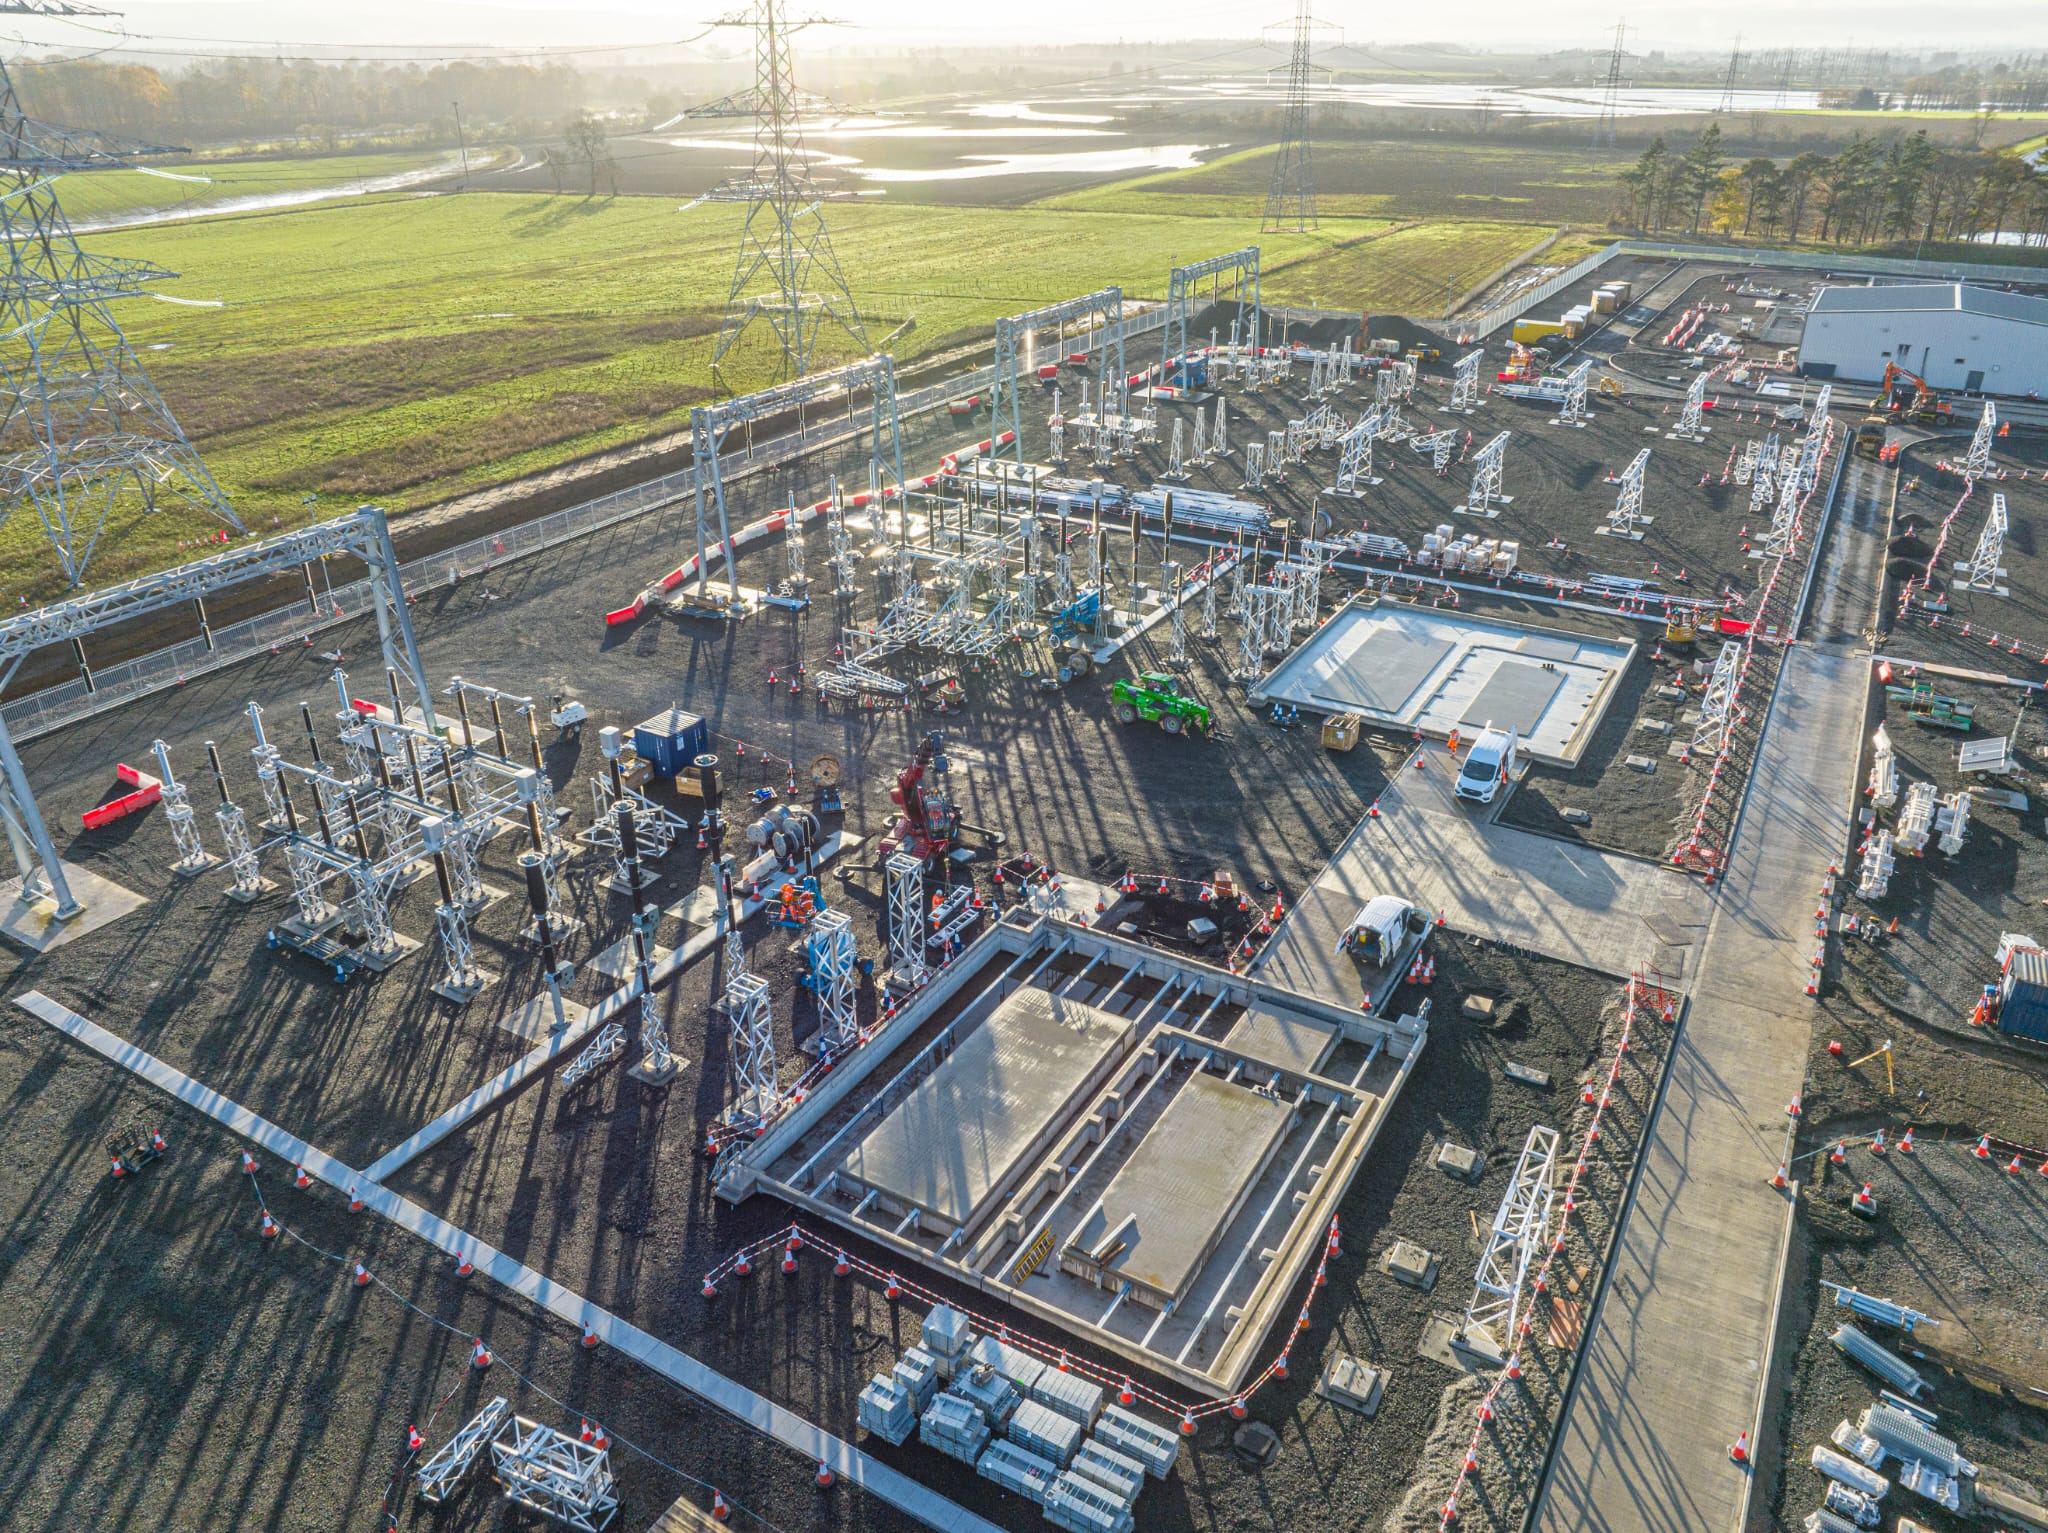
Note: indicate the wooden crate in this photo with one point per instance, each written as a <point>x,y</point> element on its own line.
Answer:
<point>1340,731</point>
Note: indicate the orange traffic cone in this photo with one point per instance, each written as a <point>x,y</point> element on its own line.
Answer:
<point>480,1359</point>
<point>1740,1451</point>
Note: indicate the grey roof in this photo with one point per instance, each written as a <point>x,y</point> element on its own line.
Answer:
<point>1923,297</point>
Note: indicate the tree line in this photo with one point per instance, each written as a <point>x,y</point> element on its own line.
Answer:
<point>1903,189</point>
<point>324,104</point>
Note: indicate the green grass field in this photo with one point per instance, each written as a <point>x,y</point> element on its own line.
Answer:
<point>105,194</point>
<point>403,350</point>
<point>1395,180</point>
<point>1413,271</point>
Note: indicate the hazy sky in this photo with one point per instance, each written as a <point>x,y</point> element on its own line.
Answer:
<point>2003,24</point>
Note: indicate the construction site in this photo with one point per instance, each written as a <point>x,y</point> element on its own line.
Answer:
<point>1243,917</point>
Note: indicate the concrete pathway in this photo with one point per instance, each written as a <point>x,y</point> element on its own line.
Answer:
<point>1681,1342</point>
<point>1604,912</point>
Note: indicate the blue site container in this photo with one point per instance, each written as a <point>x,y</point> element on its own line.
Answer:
<point>2023,998</point>
<point>671,740</point>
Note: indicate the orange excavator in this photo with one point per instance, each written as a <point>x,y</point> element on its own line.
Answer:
<point>1909,395</point>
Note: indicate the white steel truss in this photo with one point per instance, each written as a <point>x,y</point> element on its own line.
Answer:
<point>1692,425</point>
<point>1715,720</point>
<point>830,951</point>
<point>554,1474</point>
<point>178,814</point>
<point>1354,464</point>
<point>1219,439</point>
<point>1811,446</point>
<point>1981,570</point>
<point>1978,463</point>
<point>1515,1238</point>
<point>1626,520</point>
<point>1573,412</point>
<point>1465,384</point>
<point>449,1465</point>
<point>1763,475</point>
<point>1004,409</point>
<point>907,968</point>
<point>750,1049</point>
<point>1487,465</point>
<point>1784,520</point>
<point>1238,272</point>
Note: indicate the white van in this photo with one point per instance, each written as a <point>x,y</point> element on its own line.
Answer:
<point>1488,764</point>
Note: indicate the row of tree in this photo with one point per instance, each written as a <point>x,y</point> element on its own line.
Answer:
<point>1898,190</point>
<point>252,98</point>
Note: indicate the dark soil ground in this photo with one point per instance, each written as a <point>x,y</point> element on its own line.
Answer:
<point>1978,630</point>
<point>604,1191</point>
<point>1952,910</point>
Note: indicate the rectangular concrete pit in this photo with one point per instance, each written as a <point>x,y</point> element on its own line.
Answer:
<point>1408,1263</point>
<point>1352,1384</point>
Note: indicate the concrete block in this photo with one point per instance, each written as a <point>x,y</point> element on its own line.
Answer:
<point>1456,1160</point>
<point>1576,816</point>
<point>1355,1385</point>
<point>1644,764</point>
<point>1406,1262</point>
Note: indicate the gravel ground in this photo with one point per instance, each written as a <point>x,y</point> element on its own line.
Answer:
<point>1951,910</point>
<point>1963,635</point>
<point>1960,1241</point>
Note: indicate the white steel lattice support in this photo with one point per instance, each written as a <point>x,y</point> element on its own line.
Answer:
<point>192,854</point>
<point>750,1048</point>
<point>449,1465</point>
<point>1442,444</point>
<point>1817,417</point>
<point>1198,449</point>
<point>1354,462</point>
<point>459,973</point>
<point>1013,335</point>
<point>309,880</point>
<point>1978,463</point>
<point>234,837</point>
<point>1177,641</point>
<point>1487,467</point>
<point>1691,425</point>
<point>1763,475</point>
<point>372,911</point>
<point>602,1050</point>
<point>1209,599</point>
<point>1176,457</point>
<point>1238,272</point>
<point>657,1062</point>
<point>1279,609</point>
<point>1254,465</point>
<point>1516,1236</point>
<point>1573,411</point>
<point>267,756</point>
<point>1711,732</point>
<point>1465,384</point>
<point>1811,446</point>
<point>1056,431</point>
<point>1251,635</point>
<point>907,969</point>
<point>1626,520</point>
<point>554,1474</point>
<point>1784,520</point>
<point>1219,445</point>
<point>1981,570</point>
<point>829,950</point>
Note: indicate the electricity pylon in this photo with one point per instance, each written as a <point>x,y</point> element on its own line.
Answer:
<point>1610,90</point>
<point>1727,102</point>
<point>83,432</point>
<point>1291,197</point>
<point>787,274</point>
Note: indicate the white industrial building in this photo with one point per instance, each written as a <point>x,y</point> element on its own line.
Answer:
<point>1957,337</point>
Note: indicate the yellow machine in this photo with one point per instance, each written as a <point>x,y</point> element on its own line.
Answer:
<point>1610,387</point>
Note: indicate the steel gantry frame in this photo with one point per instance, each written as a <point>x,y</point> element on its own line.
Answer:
<point>1516,1236</point>
<point>1573,412</point>
<point>1002,394</point>
<point>1626,520</point>
<point>1691,425</point>
<point>1978,462</point>
<point>1716,698</point>
<point>1465,384</point>
<point>1180,283</point>
<point>1488,465</point>
<point>710,423</point>
<point>363,533</point>
<point>1982,571</point>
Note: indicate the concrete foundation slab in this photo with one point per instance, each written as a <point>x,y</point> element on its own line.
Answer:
<point>33,922</point>
<point>535,1021</point>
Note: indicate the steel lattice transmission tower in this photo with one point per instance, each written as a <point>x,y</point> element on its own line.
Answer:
<point>1610,90</point>
<point>787,274</point>
<point>1727,102</point>
<point>83,432</point>
<point>1291,196</point>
